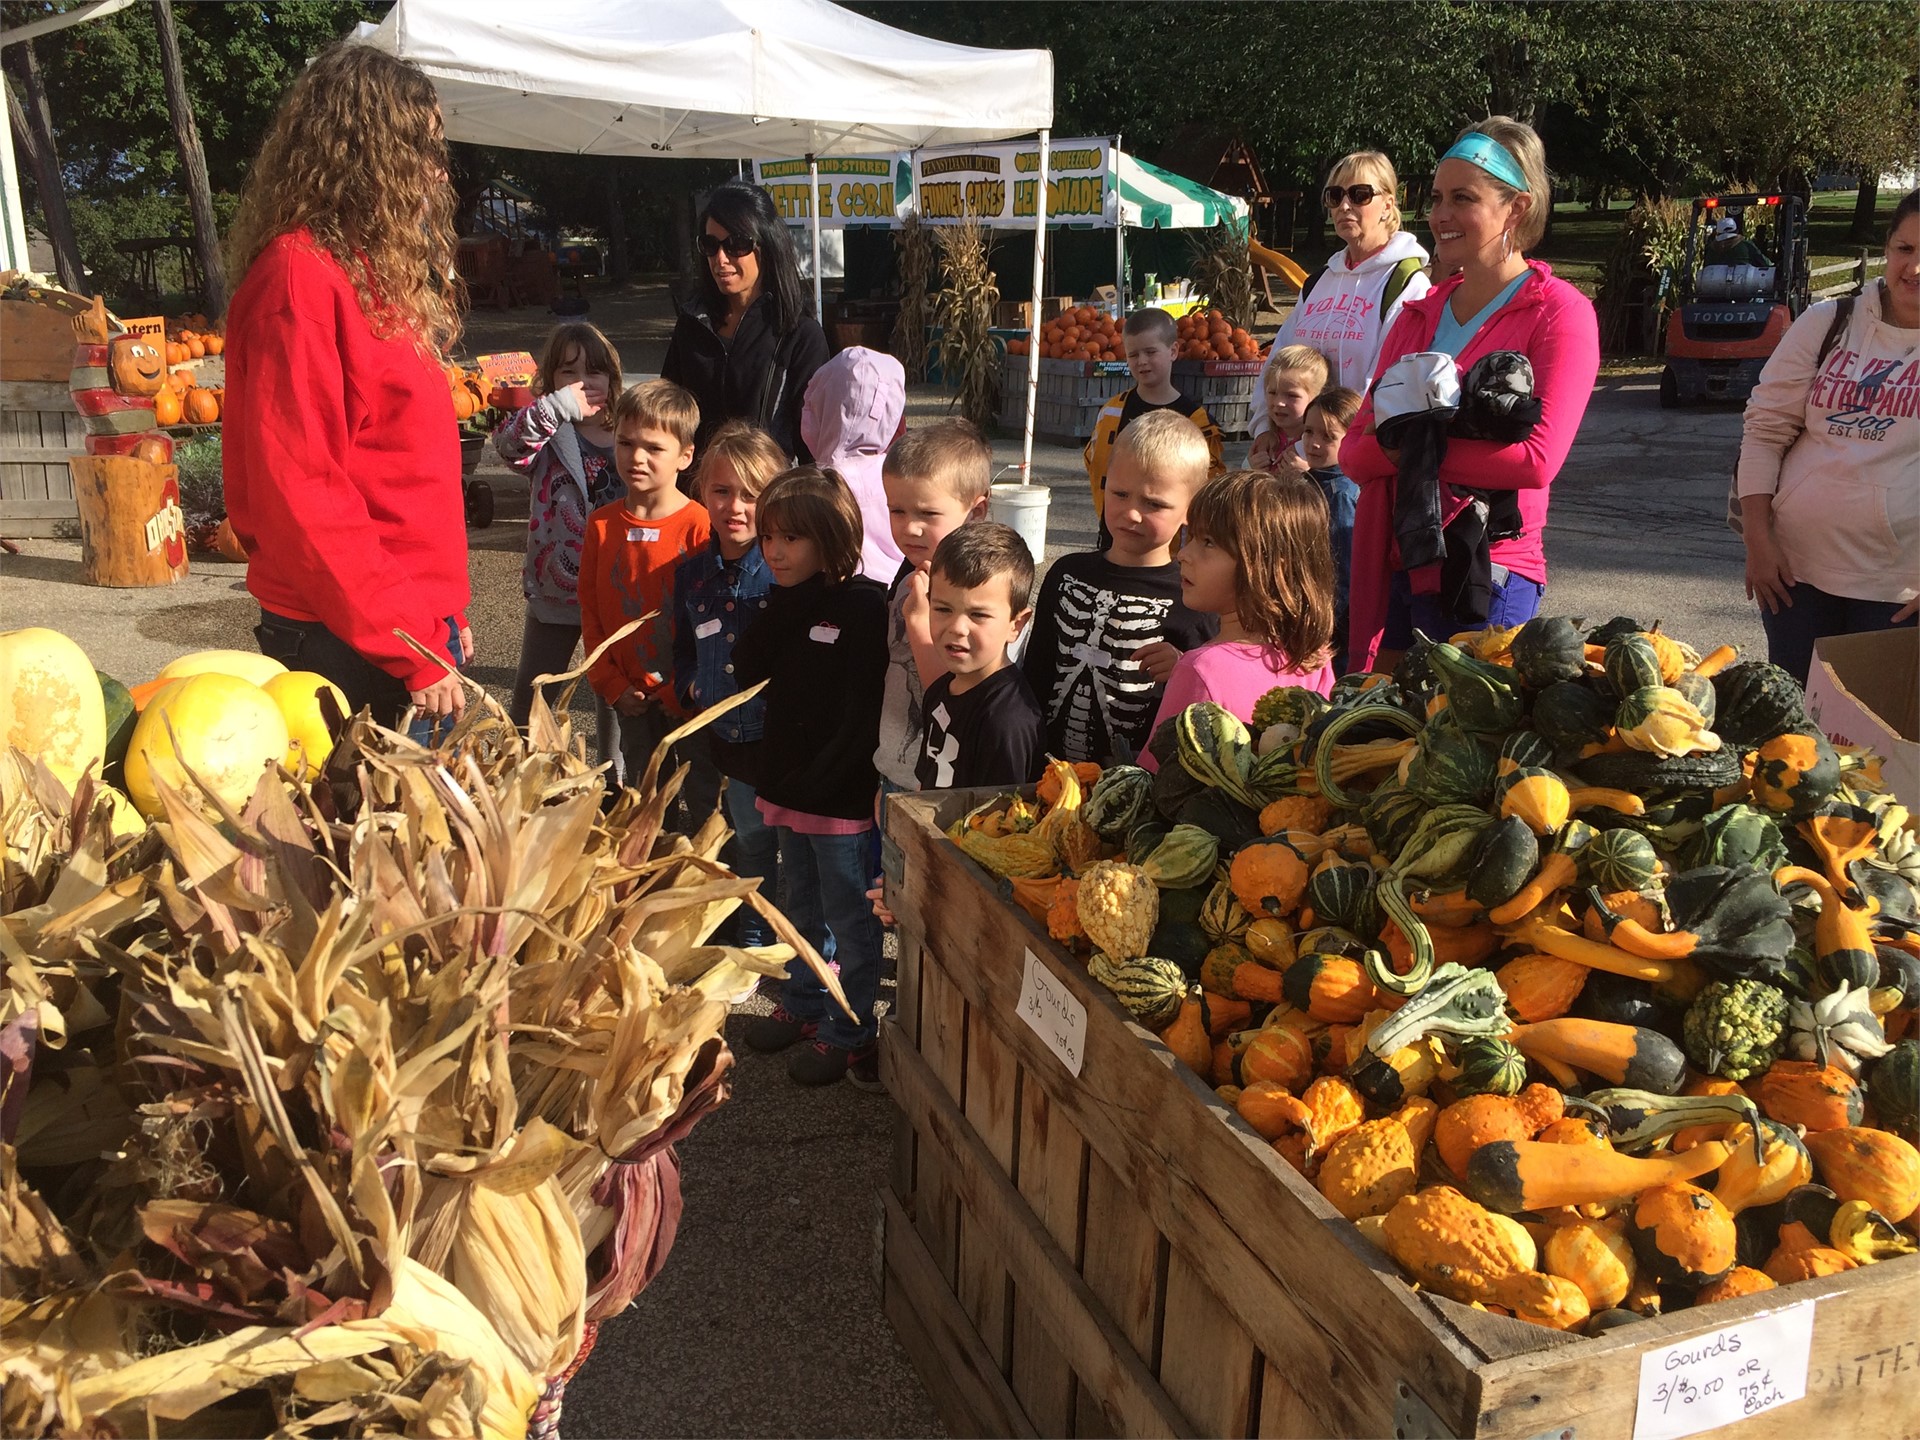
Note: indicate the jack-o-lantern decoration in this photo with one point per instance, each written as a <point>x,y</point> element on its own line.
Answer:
<point>135,365</point>
<point>126,489</point>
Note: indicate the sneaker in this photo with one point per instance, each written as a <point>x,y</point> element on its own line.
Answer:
<point>821,1064</point>
<point>773,1033</point>
<point>863,1069</point>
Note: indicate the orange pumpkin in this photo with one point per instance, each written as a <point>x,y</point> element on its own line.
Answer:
<point>168,408</point>
<point>196,347</point>
<point>215,344</point>
<point>202,408</point>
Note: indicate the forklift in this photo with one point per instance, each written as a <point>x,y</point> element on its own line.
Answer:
<point>1732,313</point>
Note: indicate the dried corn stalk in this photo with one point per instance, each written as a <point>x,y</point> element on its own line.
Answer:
<point>964,309</point>
<point>344,1112</point>
<point>1220,263</point>
<point>913,260</point>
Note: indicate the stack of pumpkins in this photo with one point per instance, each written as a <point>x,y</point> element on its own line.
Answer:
<point>1579,970</point>
<point>207,725</point>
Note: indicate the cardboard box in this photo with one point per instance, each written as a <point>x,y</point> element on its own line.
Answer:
<point>1865,690</point>
<point>1013,315</point>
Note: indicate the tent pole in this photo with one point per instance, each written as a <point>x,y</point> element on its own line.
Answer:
<point>813,208</point>
<point>1033,335</point>
<point>1119,232</point>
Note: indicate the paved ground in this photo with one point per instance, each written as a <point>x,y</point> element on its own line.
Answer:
<point>765,1321</point>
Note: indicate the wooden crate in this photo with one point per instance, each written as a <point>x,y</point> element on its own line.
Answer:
<point>39,430</point>
<point>1117,1254</point>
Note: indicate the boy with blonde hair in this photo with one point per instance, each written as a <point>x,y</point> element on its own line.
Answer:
<point>1295,374</point>
<point>936,478</point>
<point>1149,337</point>
<point>627,561</point>
<point>1109,627</point>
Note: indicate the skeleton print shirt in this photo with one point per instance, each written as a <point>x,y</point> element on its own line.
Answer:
<point>1091,617</point>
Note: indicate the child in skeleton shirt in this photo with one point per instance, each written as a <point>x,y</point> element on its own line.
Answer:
<point>1109,626</point>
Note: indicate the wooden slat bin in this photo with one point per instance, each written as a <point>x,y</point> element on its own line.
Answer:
<point>1117,1254</point>
<point>39,430</point>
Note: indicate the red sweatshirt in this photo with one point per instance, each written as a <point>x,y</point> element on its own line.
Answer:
<point>341,459</point>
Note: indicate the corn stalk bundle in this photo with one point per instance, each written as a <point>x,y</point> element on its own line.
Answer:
<point>1652,244</point>
<point>913,258</point>
<point>341,1114</point>
<point>1220,263</point>
<point>964,309</point>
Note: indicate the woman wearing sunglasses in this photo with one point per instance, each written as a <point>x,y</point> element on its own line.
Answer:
<point>1490,205</point>
<point>1347,307</point>
<point>745,345</point>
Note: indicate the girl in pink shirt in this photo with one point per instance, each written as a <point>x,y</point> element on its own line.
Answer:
<point>1257,555</point>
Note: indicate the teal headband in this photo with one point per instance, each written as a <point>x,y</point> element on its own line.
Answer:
<point>1491,156</point>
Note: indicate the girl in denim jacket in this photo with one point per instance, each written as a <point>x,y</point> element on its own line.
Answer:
<point>563,445</point>
<point>716,595</point>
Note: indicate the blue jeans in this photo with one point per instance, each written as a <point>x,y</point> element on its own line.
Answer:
<point>825,889</point>
<point>1342,495</point>
<point>1516,600</point>
<point>754,854</point>
<point>1815,614</point>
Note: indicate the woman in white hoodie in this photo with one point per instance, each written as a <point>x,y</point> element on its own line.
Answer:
<point>1348,308</point>
<point>1829,474</point>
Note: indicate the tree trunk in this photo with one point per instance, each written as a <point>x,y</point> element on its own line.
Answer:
<point>193,160</point>
<point>618,266</point>
<point>33,123</point>
<point>1863,207</point>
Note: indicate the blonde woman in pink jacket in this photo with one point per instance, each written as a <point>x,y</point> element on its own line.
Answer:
<point>1489,207</point>
<point>1829,473</point>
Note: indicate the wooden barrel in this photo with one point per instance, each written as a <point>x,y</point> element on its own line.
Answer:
<point>132,532</point>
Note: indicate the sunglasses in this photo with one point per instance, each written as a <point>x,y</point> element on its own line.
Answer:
<point>736,248</point>
<point>1358,194</point>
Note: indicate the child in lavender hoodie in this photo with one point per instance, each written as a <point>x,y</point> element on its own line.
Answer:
<point>853,411</point>
<point>563,445</point>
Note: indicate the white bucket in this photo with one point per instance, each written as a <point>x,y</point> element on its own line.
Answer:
<point>1024,507</point>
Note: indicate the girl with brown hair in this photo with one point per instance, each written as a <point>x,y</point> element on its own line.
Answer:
<point>1257,555</point>
<point>821,646</point>
<point>341,456</point>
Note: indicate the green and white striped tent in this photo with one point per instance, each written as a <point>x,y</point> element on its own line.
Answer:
<point>1156,199</point>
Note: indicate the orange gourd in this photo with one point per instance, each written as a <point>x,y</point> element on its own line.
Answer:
<point>1816,1097</point>
<point>1739,1281</point>
<point>1187,1035</point>
<point>1871,1165</point>
<point>1541,987</point>
<point>1278,1053</point>
<point>1464,1126</point>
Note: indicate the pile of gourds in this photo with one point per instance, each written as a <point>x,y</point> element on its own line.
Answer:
<point>1578,969</point>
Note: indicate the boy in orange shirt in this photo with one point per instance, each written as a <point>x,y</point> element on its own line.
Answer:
<point>627,563</point>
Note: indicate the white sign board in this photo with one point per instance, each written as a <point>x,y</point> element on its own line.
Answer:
<point>854,189</point>
<point>998,184</point>
<point>1724,1375</point>
<point>1053,1014</point>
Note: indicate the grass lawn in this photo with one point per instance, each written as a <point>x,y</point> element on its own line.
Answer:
<point>1582,239</point>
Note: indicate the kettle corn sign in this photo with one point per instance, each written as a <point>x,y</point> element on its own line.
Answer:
<point>854,189</point>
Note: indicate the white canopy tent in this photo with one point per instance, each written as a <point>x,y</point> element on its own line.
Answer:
<point>716,79</point>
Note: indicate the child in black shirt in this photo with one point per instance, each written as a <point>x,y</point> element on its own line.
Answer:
<point>1109,625</point>
<point>983,726</point>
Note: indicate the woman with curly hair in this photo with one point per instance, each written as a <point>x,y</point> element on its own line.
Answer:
<point>341,454</point>
<point>745,345</point>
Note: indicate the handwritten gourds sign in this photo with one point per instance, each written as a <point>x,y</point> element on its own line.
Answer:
<point>1051,1012</point>
<point>1725,1375</point>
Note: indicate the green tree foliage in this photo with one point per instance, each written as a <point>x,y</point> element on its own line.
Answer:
<point>110,109</point>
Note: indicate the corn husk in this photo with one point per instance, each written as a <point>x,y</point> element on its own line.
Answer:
<point>335,1084</point>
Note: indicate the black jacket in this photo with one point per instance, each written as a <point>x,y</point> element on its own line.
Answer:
<point>757,376</point>
<point>823,651</point>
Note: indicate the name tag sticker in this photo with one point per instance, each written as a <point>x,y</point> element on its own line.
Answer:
<point>1051,1012</point>
<point>941,717</point>
<point>824,634</point>
<point>1087,655</point>
<point>706,631</point>
<point>1724,1375</point>
<point>642,534</point>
